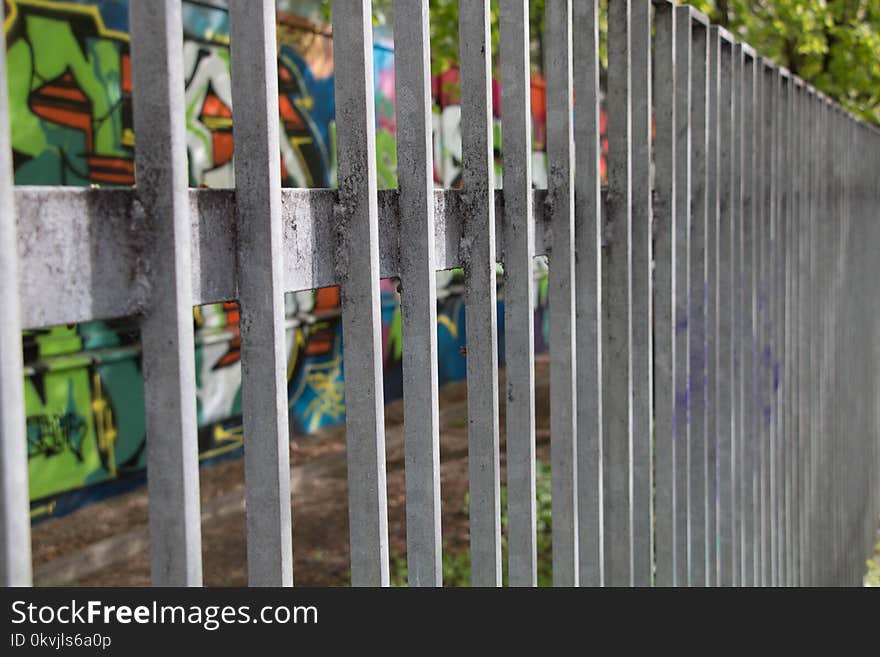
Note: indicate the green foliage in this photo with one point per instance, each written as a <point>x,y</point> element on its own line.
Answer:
<point>457,563</point>
<point>834,45</point>
<point>444,29</point>
<point>872,577</point>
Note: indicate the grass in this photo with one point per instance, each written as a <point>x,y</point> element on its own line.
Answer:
<point>872,577</point>
<point>457,563</point>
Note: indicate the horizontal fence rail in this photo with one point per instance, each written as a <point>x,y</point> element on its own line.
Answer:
<point>715,336</point>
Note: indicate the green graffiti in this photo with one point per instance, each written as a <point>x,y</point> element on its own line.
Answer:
<point>66,99</point>
<point>62,451</point>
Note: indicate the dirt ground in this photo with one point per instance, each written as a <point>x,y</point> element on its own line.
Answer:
<point>109,538</point>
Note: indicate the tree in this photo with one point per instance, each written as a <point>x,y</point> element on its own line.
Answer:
<point>832,44</point>
<point>444,28</point>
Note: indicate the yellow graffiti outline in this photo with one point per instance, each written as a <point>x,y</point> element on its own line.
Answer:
<point>451,326</point>
<point>43,509</point>
<point>299,342</point>
<point>220,450</point>
<point>223,435</point>
<point>68,7</point>
<point>105,428</point>
<point>315,376</point>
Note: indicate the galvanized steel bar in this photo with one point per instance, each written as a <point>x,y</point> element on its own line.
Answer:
<point>805,230</point>
<point>357,266</point>
<point>680,274</point>
<point>822,269</point>
<point>738,456</point>
<point>665,218</point>
<point>785,382</point>
<point>801,232</point>
<point>808,406</point>
<point>763,345</point>
<point>779,373</point>
<point>697,293</point>
<point>418,295</point>
<point>773,348</point>
<point>791,328</point>
<point>261,294</point>
<point>478,255</point>
<point>817,347</point>
<point>641,315</point>
<point>167,327</point>
<point>748,412</point>
<point>813,347</point>
<point>616,304</point>
<point>15,524</point>
<point>713,182</point>
<point>588,241</point>
<point>560,198</point>
<point>722,406</point>
<point>519,250</point>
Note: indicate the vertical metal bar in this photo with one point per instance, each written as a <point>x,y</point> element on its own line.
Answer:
<point>805,230</point>
<point>518,293</point>
<point>786,383</point>
<point>697,501</point>
<point>560,200</point>
<point>786,329</point>
<point>357,268</point>
<point>809,365</point>
<point>167,328</point>
<point>748,240</point>
<point>849,370</point>
<point>15,525</point>
<point>801,228</point>
<point>616,300</point>
<point>833,308</point>
<point>418,297</point>
<point>681,283</point>
<point>844,391</point>
<point>795,326</point>
<point>815,334</point>
<point>711,301</point>
<point>759,305</point>
<point>768,345</point>
<point>260,263</point>
<point>478,256</point>
<point>664,228</point>
<point>822,274</point>
<point>811,333</point>
<point>754,323</point>
<point>832,419</point>
<point>737,315</point>
<point>588,239</point>
<point>767,304</point>
<point>780,375</point>
<point>641,320</point>
<point>725,319</point>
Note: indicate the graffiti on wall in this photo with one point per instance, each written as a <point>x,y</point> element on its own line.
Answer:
<point>70,93</point>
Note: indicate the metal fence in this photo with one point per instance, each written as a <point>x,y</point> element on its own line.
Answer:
<point>714,340</point>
